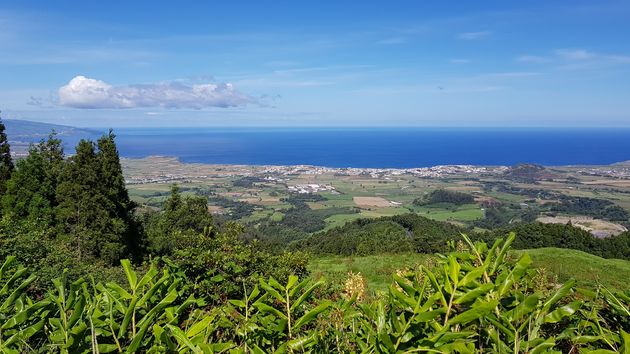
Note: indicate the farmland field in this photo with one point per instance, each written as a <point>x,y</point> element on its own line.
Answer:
<point>256,195</point>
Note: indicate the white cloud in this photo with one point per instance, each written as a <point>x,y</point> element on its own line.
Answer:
<point>576,58</point>
<point>475,35</point>
<point>83,92</point>
<point>537,59</point>
<point>393,40</point>
<point>575,54</point>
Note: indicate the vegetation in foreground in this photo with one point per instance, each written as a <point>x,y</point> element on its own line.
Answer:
<point>472,300</point>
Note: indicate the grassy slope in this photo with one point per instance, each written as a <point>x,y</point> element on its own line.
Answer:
<point>376,269</point>
<point>587,269</point>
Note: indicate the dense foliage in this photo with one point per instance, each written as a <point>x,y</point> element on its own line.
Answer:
<point>473,300</point>
<point>599,208</point>
<point>444,196</point>
<point>411,232</point>
<point>74,215</point>
<point>505,215</point>
<point>6,164</point>
<point>538,235</point>
<point>69,213</point>
<point>393,234</point>
<point>301,218</point>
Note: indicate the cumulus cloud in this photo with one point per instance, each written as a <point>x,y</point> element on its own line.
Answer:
<point>83,92</point>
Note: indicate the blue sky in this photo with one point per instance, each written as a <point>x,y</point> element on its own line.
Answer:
<point>320,63</point>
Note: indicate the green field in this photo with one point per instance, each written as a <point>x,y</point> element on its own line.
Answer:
<point>468,212</point>
<point>588,270</point>
<point>269,192</point>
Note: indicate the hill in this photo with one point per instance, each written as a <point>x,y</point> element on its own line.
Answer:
<point>391,234</point>
<point>529,173</point>
<point>588,270</point>
<point>22,133</point>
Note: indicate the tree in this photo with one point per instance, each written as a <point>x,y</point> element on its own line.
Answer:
<point>181,215</point>
<point>83,212</point>
<point>30,192</point>
<point>114,189</point>
<point>6,163</point>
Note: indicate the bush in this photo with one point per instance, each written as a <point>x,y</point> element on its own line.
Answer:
<point>444,196</point>
<point>473,301</point>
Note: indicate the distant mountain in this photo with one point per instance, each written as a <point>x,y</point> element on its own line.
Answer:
<point>22,133</point>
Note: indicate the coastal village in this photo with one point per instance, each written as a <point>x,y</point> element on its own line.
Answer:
<point>281,174</point>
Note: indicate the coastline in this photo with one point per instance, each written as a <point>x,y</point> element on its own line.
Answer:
<point>168,166</point>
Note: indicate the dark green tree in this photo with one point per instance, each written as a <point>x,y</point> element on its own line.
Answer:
<point>84,210</point>
<point>180,215</point>
<point>6,163</point>
<point>114,189</point>
<point>30,192</point>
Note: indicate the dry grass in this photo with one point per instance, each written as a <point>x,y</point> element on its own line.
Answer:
<point>624,183</point>
<point>214,209</point>
<point>364,202</point>
<point>599,228</point>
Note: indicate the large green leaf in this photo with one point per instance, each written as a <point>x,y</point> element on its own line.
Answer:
<point>567,310</point>
<point>305,295</point>
<point>478,310</point>
<point>311,315</point>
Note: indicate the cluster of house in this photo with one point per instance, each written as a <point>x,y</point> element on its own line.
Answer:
<point>310,188</point>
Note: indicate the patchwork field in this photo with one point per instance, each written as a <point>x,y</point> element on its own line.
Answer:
<point>255,195</point>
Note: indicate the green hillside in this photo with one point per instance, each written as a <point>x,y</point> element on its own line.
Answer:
<point>587,269</point>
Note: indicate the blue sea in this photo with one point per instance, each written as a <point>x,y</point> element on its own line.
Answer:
<point>379,147</point>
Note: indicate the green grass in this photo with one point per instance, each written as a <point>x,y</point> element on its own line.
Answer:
<point>277,216</point>
<point>341,219</point>
<point>461,214</point>
<point>257,215</point>
<point>587,269</point>
<point>376,269</point>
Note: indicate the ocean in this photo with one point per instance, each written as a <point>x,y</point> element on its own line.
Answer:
<point>379,147</point>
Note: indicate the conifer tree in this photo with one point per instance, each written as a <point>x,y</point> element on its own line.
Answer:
<point>114,189</point>
<point>83,209</point>
<point>30,192</point>
<point>113,181</point>
<point>181,215</point>
<point>6,163</point>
